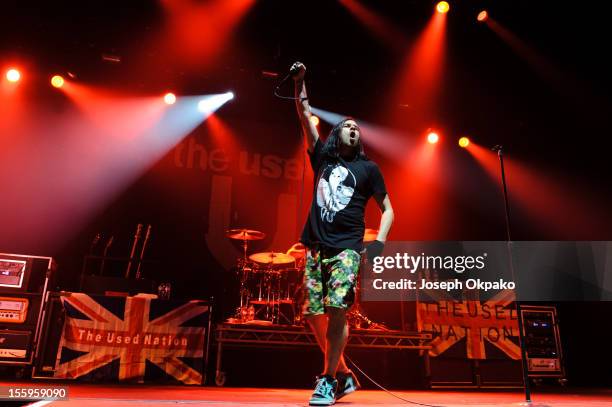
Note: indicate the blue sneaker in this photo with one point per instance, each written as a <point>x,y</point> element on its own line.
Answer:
<point>325,391</point>
<point>347,384</point>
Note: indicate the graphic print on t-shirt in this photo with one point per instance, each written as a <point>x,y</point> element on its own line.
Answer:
<point>334,190</point>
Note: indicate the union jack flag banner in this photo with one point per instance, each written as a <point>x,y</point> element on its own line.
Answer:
<point>484,326</point>
<point>132,339</point>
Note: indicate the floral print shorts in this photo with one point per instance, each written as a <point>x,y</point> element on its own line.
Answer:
<point>330,282</point>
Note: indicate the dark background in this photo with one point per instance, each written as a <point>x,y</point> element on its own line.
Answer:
<point>487,91</point>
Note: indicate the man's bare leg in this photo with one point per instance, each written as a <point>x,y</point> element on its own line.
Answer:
<point>337,336</point>
<point>318,324</point>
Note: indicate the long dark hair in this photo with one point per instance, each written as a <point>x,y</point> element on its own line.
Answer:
<point>330,148</point>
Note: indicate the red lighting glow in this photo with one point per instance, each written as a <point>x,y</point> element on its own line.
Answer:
<point>482,16</point>
<point>57,81</point>
<point>464,142</point>
<point>13,75</point>
<point>420,78</point>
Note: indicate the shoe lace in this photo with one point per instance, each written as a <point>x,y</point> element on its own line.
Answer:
<point>324,387</point>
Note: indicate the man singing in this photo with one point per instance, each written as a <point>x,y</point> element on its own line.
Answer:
<point>345,180</point>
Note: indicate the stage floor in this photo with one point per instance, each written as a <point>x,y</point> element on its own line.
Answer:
<point>82,395</point>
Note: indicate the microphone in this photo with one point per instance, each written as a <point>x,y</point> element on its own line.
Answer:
<point>496,148</point>
<point>294,69</point>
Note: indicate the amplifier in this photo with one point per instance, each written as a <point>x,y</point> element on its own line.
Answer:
<point>12,273</point>
<point>19,309</point>
<point>19,321</point>
<point>14,344</point>
<point>23,273</point>
<point>544,365</point>
<point>13,310</point>
<point>542,341</point>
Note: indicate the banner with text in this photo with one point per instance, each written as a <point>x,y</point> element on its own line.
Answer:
<point>132,339</point>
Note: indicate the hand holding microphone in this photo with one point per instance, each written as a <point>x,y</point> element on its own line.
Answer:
<point>297,71</point>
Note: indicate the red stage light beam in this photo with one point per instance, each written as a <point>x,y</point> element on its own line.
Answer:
<point>196,32</point>
<point>559,208</point>
<point>222,134</point>
<point>420,77</point>
<point>420,188</point>
<point>380,27</point>
<point>545,69</point>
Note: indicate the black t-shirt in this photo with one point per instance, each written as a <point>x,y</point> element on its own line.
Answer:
<point>341,191</point>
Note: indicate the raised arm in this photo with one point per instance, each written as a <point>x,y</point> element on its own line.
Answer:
<point>302,106</point>
<point>386,219</point>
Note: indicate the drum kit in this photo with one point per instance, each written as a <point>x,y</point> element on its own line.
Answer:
<point>270,283</point>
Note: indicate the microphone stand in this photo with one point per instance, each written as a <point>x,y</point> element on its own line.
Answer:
<point>527,389</point>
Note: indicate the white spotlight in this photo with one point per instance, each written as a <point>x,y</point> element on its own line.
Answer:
<point>211,103</point>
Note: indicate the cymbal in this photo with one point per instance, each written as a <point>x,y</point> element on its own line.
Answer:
<point>370,235</point>
<point>245,234</point>
<point>272,258</point>
<point>265,301</point>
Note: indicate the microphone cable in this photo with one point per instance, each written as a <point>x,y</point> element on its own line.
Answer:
<point>385,389</point>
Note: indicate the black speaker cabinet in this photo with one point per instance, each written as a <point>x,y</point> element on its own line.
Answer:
<point>53,323</point>
<point>446,372</point>
<point>24,283</point>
